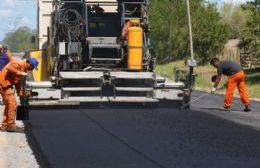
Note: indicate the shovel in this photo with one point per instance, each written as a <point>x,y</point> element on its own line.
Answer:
<point>203,95</point>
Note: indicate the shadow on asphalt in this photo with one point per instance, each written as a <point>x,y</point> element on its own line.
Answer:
<point>222,110</point>
<point>115,105</point>
<point>41,158</point>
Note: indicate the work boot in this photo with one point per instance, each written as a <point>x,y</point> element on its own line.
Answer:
<point>3,129</point>
<point>15,129</point>
<point>227,108</point>
<point>247,108</point>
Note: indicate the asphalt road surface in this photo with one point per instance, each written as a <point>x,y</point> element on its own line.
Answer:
<point>136,137</point>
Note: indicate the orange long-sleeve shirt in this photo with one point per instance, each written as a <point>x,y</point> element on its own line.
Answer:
<point>124,35</point>
<point>11,75</point>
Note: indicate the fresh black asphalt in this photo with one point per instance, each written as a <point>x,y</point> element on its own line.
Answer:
<point>136,137</point>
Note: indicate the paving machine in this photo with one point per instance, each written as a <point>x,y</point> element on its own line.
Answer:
<point>84,57</point>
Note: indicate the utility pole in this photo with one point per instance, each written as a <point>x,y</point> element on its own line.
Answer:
<point>190,29</point>
<point>192,63</point>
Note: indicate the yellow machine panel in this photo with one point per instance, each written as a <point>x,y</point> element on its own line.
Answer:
<point>45,62</point>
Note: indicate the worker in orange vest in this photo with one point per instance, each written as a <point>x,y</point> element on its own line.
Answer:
<point>11,76</point>
<point>236,77</point>
<point>124,34</point>
<point>125,30</point>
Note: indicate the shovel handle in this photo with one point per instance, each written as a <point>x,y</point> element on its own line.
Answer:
<point>203,95</point>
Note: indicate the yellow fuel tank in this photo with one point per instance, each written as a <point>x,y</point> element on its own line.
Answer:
<point>135,48</point>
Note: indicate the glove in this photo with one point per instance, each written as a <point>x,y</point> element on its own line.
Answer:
<point>213,89</point>
<point>213,78</point>
<point>118,40</point>
<point>24,74</point>
<point>28,92</point>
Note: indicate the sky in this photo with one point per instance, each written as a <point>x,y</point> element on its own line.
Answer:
<point>17,13</point>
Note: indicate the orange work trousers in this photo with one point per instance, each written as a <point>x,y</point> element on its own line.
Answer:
<point>9,114</point>
<point>238,80</point>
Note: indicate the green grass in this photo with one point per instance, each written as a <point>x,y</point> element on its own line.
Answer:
<point>253,83</point>
<point>254,91</point>
<point>167,70</point>
<point>204,73</point>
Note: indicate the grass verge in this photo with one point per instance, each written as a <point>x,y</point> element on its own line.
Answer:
<point>204,73</point>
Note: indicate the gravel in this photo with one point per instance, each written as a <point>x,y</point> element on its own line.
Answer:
<point>14,149</point>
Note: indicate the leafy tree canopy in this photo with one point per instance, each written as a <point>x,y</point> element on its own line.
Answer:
<point>20,40</point>
<point>170,35</point>
<point>250,31</point>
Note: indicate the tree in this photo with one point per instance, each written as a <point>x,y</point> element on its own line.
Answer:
<point>233,15</point>
<point>250,32</point>
<point>170,35</point>
<point>210,34</point>
<point>20,40</point>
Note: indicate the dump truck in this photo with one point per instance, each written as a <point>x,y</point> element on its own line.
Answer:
<point>84,58</point>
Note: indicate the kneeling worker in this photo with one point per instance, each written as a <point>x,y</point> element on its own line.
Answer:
<point>236,77</point>
<point>11,76</point>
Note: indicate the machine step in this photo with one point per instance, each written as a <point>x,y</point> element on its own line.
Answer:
<point>134,89</point>
<point>81,75</point>
<point>79,89</point>
<point>133,99</point>
<point>133,75</point>
<point>109,99</point>
<point>85,99</point>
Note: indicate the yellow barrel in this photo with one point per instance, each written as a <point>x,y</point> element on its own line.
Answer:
<point>135,48</point>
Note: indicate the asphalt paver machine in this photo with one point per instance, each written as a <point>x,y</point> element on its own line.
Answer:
<point>84,58</point>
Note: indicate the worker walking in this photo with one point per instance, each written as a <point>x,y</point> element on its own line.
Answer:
<point>5,57</point>
<point>11,76</point>
<point>236,77</point>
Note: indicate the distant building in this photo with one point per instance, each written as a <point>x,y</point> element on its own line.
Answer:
<point>231,51</point>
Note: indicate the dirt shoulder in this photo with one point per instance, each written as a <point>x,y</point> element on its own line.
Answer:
<point>14,149</point>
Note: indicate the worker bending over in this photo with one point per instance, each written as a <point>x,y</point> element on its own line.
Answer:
<point>11,76</point>
<point>236,77</point>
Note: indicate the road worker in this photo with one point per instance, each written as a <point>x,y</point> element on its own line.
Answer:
<point>5,57</point>
<point>97,9</point>
<point>124,34</point>
<point>11,76</point>
<point>125,30</point>
<point>236,77</point>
